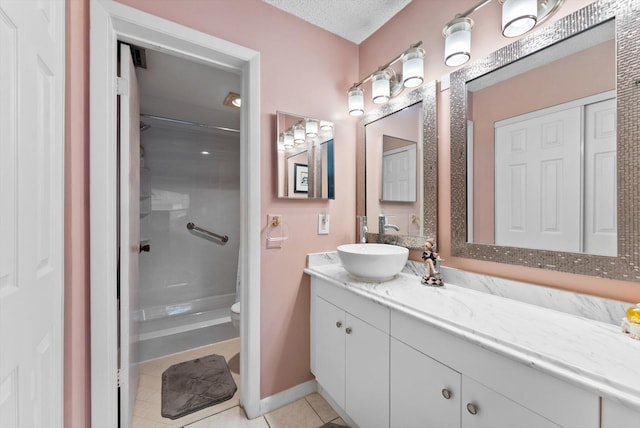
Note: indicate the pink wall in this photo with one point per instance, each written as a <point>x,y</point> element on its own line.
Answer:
<point>325,67</point>
<point>77,383</point>
<point>589,72</point>
<point>423,20</point>
<point>304,70</point>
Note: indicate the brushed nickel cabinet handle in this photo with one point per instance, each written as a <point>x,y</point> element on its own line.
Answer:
<point>446,393</point>
<point>472,408</point>
<point>348,330</point>
<point>339,324</point>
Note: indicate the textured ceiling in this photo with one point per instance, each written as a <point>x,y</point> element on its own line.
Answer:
<point>354,20</point>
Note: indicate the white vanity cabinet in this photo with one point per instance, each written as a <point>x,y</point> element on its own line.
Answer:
<point>350,352</point>
<point>426,393</point>
<point>615,415</point>
<point>494,391</point>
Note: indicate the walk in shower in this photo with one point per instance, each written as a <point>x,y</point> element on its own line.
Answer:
<point>189,177</point>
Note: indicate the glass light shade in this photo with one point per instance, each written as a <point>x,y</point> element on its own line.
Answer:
<point>356,101</point>
<point>518,17</point>
<point>457,42</point>
<point>326,125</point>
<point>281,143</point>
<point>312,128</point>
<point>413,67</point>
<point>288,140</point>
<point>380,87</point>
<point>298,133</point>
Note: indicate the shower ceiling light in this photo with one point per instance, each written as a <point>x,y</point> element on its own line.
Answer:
<point>232,100</point>
<point>518,17</point>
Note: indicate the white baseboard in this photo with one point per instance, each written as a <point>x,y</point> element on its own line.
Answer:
<point>287,396</point>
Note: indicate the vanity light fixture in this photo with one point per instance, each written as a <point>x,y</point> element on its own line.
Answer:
<point>298,133</point>
<point>312,128</point>
<point>386,83</point>
<point>288,140</point>
<point>518,17</point>
<point>326,125</point>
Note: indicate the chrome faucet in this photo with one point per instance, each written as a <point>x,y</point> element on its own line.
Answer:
<point>363,228</point>
<point>383,225</point>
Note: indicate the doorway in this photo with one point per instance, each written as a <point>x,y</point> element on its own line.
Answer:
<point>110,22</point>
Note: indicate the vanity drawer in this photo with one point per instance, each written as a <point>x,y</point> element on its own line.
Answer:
<point>561,402</point>
<point>367,310</point>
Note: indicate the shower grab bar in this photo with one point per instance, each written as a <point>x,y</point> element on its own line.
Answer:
<point>223,238</point>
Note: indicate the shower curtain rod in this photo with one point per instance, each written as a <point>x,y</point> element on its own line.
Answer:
<point>186,122</point>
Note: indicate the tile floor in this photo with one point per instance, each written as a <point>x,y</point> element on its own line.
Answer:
<point>311,411</point>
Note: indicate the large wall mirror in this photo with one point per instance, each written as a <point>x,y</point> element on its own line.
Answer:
<point>544,148</point>
<point>305,157</point>
<point>400,168</point>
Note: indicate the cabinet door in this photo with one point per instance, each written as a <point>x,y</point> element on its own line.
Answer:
<point>424,393</point>
<point>493,410</point>
<point>615,415</point>
<point>367,374</point>
<point>329,348</point>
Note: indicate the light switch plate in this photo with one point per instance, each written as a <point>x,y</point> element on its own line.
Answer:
<point>323,224</point>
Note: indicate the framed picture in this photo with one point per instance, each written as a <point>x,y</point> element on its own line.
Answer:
<point>300,178</point>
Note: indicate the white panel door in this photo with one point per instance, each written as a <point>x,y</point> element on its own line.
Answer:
<point>129,233</point>
<point>537,184</point>
<point>399,174</point>
<point>601,226</point>
<point>31,212</point>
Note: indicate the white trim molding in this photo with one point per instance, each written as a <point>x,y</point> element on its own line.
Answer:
<point>110,22</point>
<point>288,396</point>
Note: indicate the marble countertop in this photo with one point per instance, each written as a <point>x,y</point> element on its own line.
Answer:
<point>589,353</point>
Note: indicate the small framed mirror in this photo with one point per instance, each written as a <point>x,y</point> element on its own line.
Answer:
<point>305,156</point>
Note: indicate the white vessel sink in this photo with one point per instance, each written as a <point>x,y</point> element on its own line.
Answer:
<point>373,262</point>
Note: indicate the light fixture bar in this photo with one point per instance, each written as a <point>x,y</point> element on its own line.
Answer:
<point>188,122</point>
<point>387,65</point>
<point>473,9</point>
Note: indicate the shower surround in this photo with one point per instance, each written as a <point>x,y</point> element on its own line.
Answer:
<point>187,280</point>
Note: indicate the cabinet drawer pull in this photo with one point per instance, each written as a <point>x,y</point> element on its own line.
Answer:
<point>348,330</point>
<point>472,408</point>
<point>339,324</point>
<point>446,393</point>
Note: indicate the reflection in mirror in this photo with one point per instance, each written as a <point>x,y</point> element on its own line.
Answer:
<point>305,157</point>
<point>394,170</point>
<point>542,137</point>
<point>606,187</point>
<point>409,118</point>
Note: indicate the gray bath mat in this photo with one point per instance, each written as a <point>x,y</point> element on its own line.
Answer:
<point>193,385</point>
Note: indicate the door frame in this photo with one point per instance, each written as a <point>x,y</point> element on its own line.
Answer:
<point>110,22</point>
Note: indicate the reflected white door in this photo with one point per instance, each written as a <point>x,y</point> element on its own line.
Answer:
<point>601,225</point>
<point>399,174</point>
<point>31,212</point>
<point>129,233</point>
<point>537,191</point>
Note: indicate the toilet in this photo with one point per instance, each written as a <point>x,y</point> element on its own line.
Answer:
<point>235,314</point>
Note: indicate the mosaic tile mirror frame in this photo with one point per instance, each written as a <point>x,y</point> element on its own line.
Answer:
<point>626,264</point>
